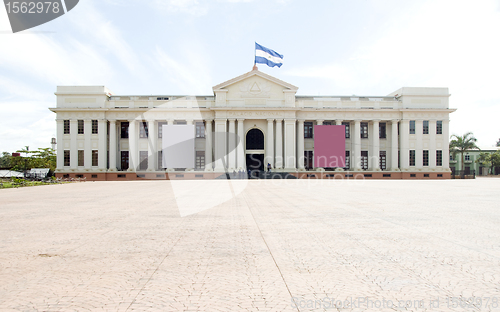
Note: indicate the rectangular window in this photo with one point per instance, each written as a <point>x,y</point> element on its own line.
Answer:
<point>95,158</point>
<point>66,127</point>
<point>124,160</point>
<point>412,158</point>
<point>364,160</point>
<point>81,127</point>
<point>347,130</point>
<point>124,131</point>
<point>426,158</point>
<point>383,160</point>
<point>412,126</point>
<point>364,130</point>
<point>308,130</point>
<point>143,160</point>
<point>81,158</point>
<point>143,130</point>
<point>439,127</point>
<point>200,159</point>
<point>467,157</point>
<point>200,129</point>
<point>160,161</point>
<point>95,127</point>
<point>382,132</point>
<point>425,127</point>
<point>160,129</point>
<point>67,158</point>
<point>308,159</point>
<point>347,160</point>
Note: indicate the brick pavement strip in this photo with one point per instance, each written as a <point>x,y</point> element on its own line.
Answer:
<point>276,246</point>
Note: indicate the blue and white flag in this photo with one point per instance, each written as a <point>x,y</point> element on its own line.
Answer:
<point>267,56</point>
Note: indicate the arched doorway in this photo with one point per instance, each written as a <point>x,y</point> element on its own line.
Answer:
<point>255,139</point>
<point>255,151</point>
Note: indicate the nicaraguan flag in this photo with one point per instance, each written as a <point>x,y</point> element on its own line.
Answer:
<point>267,56</point>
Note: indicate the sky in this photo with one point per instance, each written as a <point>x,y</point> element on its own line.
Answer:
<point>185,47</point>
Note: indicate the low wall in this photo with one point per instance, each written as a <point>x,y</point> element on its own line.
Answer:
<point>201,175</point>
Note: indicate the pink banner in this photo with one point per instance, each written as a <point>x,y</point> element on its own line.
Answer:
<point>329,146</point>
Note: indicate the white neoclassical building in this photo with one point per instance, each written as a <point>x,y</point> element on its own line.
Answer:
<point>251,121</point>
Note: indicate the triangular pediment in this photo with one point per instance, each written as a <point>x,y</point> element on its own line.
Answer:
<point>255,87</point>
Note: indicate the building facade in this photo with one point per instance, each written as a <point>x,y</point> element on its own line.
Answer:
<point>471,164</point>
<point>251,121</point>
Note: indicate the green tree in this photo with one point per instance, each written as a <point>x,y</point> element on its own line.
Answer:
<point>495,159</point>
<point>462,144</point>
<point>41,158</point>
<point>498,142</point>
<point>484,159</point>
<point>5,160</point>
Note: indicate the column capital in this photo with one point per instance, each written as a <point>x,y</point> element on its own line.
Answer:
<point>394,120</point>
<point>231,119</point>
<point>280,120</point>
<point>375,120</point>
<point>208,119</point>
<point>301,120</point>
<point>220,119</point>
<point>358,120</point>
<point>269,120</point>
<point>240,119</point>
<point>320,120</point>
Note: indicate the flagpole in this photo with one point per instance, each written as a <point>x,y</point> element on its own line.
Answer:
<point>254,59</point>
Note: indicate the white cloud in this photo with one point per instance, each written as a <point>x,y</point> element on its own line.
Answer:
<point>190,76</point>
<point>441,44</point>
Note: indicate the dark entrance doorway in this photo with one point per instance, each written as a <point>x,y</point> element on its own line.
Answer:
<point>255,140</point>
<point>255,164</point>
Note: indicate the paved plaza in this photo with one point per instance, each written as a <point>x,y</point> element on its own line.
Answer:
<point>275,245</point>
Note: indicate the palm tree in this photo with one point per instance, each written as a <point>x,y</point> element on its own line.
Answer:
<point>462,144</point>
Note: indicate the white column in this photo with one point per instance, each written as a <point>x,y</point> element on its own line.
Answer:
<point>73,133</point>
<point>446,145</point>
<point>87,153</point>
<point>419,147</point>
<point>102,151</point>
<point>152,145</point>
<point>432,144</point>
<point>404,134</point>
<point>241,145</point>
<point>394,145</point>
<point>375,142</point>
<point>319,122</point>
<point>290,144</point>
<point>112,145</point>
<point>269,159</point>
<point>208,145</point>
<point>220,145</point>
<point>279,144</point>
<point>190,122</point>
<point>132,145</point>
<point>60,144</point>
<point>338,122</point>
<point>232,145</point>
<point>300,145</point>
<point>356,146</point>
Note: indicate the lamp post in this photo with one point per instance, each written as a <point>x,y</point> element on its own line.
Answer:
<point>26,161</point>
